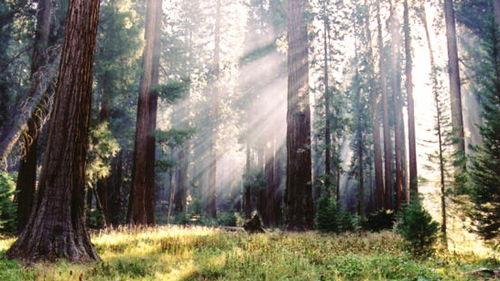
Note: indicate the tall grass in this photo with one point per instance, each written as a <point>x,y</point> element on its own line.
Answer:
<point>197,253</point>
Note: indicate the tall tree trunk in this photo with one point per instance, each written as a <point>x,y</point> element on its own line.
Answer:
<point>277,194</point>
<point>115,191</point>
<point>454,76</point>
<point>181,191</point>
<point>211,208</point>
<point>56,228</point>
<point>247,193</point>
<point>378,197</point>
<point>397,102</point>
<point>26,179</point>
<point>273,184</point>
<point>411,105</point>
<point>299,203</point>
<point>360,151</point>
<point>142,192</point>
<point>328,141</point>
<point>387,131</point>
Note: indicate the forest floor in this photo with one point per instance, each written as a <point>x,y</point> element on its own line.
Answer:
<point>196,253</point>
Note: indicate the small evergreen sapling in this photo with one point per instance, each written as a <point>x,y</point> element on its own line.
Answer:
<point>416,226</point>
<point>331,218</point>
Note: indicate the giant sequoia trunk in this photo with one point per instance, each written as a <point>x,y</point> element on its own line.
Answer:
<point>385,117</point>
<point>56,228</point>
<point>454,76</point>
<point>141,204</point>
<point>299,203</point>
<point>411,106</point>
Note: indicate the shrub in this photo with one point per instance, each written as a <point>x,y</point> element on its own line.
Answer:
<point>227,219</point>
<point>418,229</point>
<point>182,218</point>
<point>8,215</point>
<point>326,216</point>
<point>379,220</point>
<point>330,218</point>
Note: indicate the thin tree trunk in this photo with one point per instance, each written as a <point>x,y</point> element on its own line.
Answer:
<point>360,150</point>
<point>56,228</point>
<point>142,192</point>
<point>299,202</point>
<point>411,106</point>
<point>439,129</point>
<point>387,133</point>
<point>38,93</point>
<point>211,208</point>
<point>377,148</point>
<point>454,76</point>
<point>397,103</point>
<point>115,196</point>
<point>247,195</point>
<point>328,141</point>
<point>26,179</point>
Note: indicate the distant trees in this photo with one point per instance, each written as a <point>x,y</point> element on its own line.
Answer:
<point>56,228</point>
<point>298,196</point>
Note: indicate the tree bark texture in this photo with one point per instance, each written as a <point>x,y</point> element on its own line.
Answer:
<point>56,228</point>
<point>142,192</point>
<point>299,202</point>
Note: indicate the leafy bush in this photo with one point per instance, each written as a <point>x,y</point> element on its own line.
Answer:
<point>379,220</point>
<point>330,218</point>
<point>418,229</point>
<point>8,215</point>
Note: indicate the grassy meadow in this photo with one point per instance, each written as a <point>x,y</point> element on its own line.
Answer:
<point>197,253</point>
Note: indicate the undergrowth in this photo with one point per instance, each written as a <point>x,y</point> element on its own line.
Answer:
<point>196,253</point>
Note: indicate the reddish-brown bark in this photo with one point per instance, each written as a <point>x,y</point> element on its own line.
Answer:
<point>299,202</point>
<point>141,201</point>
<point>56,228</point>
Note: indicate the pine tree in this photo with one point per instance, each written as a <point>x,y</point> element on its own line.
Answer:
<point>484,170</point>
<point>441,130</point>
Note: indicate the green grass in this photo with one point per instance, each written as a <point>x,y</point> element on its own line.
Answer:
<point>195,253</point>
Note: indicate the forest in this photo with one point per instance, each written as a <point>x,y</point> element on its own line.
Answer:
<point>249,140</point>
